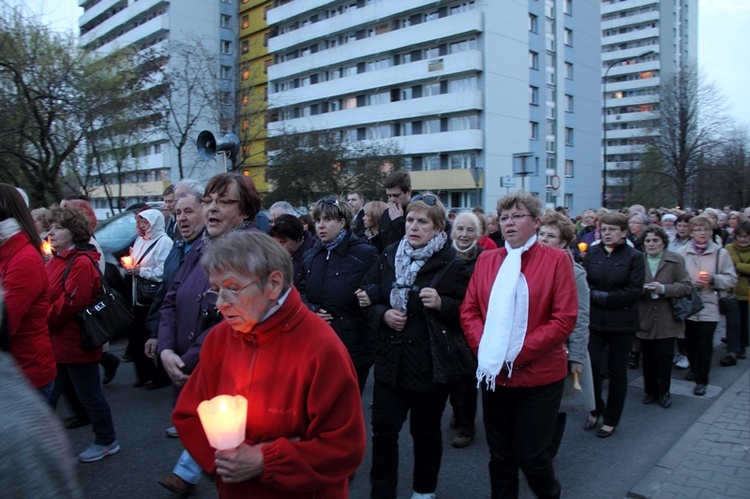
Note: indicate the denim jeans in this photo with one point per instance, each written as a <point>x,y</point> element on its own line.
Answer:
<point>46,390</point>
<point>88,388</point>
<point>390,406</point>
<point>187,469</point>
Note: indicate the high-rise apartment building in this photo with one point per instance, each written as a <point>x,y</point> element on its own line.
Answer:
<point>467,89</point>
<point>154,26</point>
<point>644,43</point>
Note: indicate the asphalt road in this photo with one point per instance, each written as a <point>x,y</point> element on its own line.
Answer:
<point>587,467</point>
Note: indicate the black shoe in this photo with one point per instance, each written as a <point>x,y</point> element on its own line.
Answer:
<point>665,401</point>
<point>110,369</point>
<point>591,422</point>
<point>699,390</point>
<point>602,433</point>
<point>690,376</point>
<point>77,422</point>
<point>649,399</point>
<point>635,360</point>
<point>729,360</point>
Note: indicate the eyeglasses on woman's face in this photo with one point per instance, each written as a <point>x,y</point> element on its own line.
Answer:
<point>222,202</point>
<point>517,218</point>
<point>228,295</point>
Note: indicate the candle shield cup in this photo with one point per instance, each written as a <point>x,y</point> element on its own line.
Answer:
<point>126,261</point>
<point>46,247</point>
<point>223,419</point>
<point>582,247</point>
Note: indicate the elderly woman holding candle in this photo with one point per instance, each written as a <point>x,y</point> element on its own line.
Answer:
<point>304,430</point>
<point>24,280</point>
<point>712,271</point>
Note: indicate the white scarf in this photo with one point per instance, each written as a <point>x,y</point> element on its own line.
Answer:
<point>507,318</point>
<point>8,228</point>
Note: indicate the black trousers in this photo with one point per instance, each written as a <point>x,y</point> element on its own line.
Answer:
<point>463,398</point>
<point>699,340</point>
<point>390,406</point>
<point>519,423</point>
<point>657,365</point>
<point>613,351</point>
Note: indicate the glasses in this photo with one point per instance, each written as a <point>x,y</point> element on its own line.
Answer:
<point>429,200</point>
<point>517,218</point>
<point>222,203</point>
<point>701,229</point>
<point>228,295</point>
<point>606,230</point>
<point>548,235</point>
<point>331,201</point>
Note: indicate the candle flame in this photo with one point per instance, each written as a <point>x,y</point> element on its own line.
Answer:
<point>582,246</point>
<point>47,247</point>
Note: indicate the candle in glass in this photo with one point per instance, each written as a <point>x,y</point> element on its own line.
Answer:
<point>223,419</point>
<point>46,247</point>
<point>582,247</point>
<point>127,261</point>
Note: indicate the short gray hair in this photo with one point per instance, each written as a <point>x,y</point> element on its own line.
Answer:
<point>193,186</point>
<point>249,253</point>
<point>285,206</point>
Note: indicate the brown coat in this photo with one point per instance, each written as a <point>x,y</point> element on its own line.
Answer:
<point>656,317</point>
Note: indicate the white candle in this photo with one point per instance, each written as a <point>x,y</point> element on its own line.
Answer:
<point>223,419</point>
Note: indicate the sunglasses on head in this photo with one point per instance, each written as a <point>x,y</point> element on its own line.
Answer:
<point>331,201</point>
<point>429,200</point>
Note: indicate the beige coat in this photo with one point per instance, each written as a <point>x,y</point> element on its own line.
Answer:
<point>657,321</point>
<point>723,277</point>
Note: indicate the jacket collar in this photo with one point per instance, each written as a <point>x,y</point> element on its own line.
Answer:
<point>286,318</point>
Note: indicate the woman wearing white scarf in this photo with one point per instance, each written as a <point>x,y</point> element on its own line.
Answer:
<point>417,276</point>
<point>520,307</point>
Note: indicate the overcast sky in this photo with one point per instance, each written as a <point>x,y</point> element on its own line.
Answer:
<point>723,39</point>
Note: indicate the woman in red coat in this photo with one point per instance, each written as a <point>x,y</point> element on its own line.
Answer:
<point>24,282</point>
<point>69,234</point>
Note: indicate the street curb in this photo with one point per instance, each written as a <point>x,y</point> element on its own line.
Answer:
<point>651,483</point>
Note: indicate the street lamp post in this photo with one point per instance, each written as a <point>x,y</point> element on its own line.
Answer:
<point>604,119</point>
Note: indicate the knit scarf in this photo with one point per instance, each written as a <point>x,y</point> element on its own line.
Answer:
<point>336,241</point>
<point>699,248</point>
<point>207,240</point>
<point>8,228</point>
<point>408,261</point>
<point>507,318</point>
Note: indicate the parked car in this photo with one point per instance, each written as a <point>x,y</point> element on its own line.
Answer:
<point>116,236</point>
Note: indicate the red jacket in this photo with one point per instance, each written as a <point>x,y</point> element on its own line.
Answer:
<point>82,287</point>
<point>300,384</point>
<point>553,309</point>
<point>24,282</point>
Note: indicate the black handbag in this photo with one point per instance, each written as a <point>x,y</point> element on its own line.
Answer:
<point>451,356</point>
<point>145,290</point>
<point>687,306</point>
<point>101,321</point>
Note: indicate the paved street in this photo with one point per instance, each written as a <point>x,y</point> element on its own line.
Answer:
<point>646,444</point>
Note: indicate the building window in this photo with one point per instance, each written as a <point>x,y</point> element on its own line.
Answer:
<point>245,73</point>
<point>534,97</point>
<point>226,47</point>
<point>568,103</point>
<point>245,22</point>
<point>568,37</point>
<point>267,64</point>
<point>533,60</point>
<point>245,46</point>
<point>568,71</point>
<point>568,7</point>
<point>534,130</point>
<point>568,136</point>
<point>226,21</point>
<point>568,167</point>
<point>533,23</point>
<point>226,72</point>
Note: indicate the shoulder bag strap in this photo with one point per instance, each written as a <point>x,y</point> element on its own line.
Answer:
<point>105,286</point>
<point>149,249</point>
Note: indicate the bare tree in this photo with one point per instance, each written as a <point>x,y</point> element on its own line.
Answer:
<point>304,167</point>
<point>688,129</point>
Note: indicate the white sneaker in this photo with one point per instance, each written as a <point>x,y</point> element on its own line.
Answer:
<point>682,362</point>
<point>96,452</point>
<point>417,495</point>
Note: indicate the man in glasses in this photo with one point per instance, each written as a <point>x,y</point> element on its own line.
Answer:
<point>305,430</point>
<point>398,190</point>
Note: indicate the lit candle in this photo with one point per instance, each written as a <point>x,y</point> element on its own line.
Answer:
<point>582,247</point>
<point>576,383</point>
<point>703,275</point>
<point>46,247</point>
<point>127,261</point>
<point>223,419</point>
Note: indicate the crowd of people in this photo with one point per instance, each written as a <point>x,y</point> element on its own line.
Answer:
<point>527,308</point>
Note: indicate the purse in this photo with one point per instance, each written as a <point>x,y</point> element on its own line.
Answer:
<point>687,306</point>
<point>451,356</point>
<point>101,321</point>
<point>727,304</point>
<point>145,290</point>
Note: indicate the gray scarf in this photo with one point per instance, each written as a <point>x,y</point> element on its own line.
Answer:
<point>408,262</point>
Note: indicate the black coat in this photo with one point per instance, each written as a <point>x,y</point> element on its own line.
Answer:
<point>616,282</point>
<point>329,281</point>
<point>403,358</point>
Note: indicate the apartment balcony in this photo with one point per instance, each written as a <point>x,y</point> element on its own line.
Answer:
<point>421,34</point>
<point>631,149</point>
<point>137,189</point>
<point>438,180</point>
<point>433,143</point>
<point>631,117</point>
<point>618,5</point>
<point>629,133</point>
<point>122,18</point>
<point>638,100</point>
<point>633,85</point>
<point>631,36</point>
<point>436,105</point>
<point>628,21</point>
<point>465,62</point>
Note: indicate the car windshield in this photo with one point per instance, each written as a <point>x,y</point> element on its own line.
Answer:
<point>116,232</point>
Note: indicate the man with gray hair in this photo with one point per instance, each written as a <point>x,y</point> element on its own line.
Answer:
<point>280,208</point>
<point>305,431</point>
